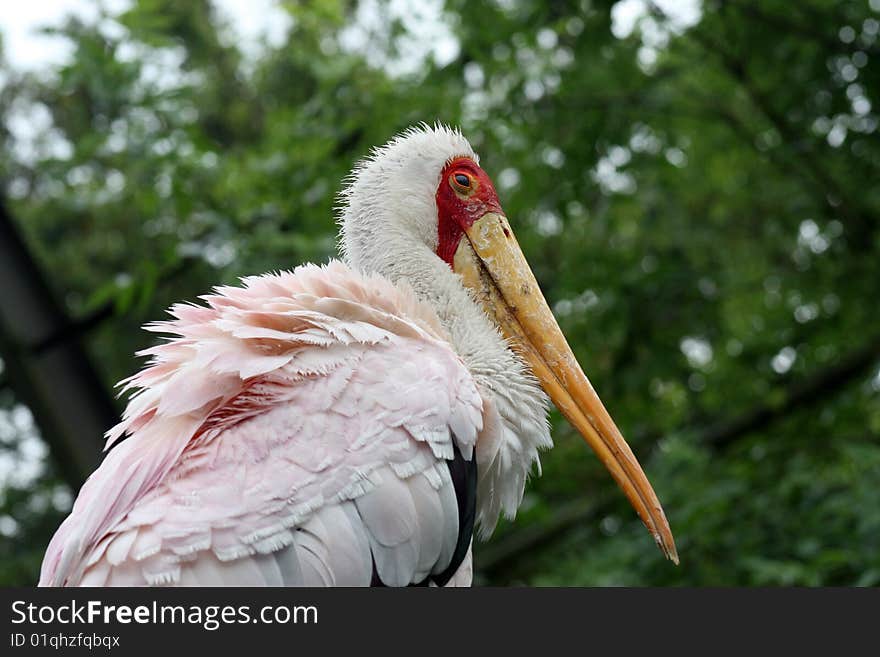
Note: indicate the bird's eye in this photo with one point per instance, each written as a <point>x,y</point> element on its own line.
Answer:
<point>461,182</point>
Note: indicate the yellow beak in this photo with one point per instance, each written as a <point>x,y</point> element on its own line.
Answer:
<point>492,265</point>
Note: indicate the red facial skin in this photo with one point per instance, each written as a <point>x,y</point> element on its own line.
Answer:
<point>458,209</point>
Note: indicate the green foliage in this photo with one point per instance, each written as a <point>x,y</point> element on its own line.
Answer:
<point>702,214</point>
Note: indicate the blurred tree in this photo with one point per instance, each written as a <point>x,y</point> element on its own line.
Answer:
<point>693,183</point>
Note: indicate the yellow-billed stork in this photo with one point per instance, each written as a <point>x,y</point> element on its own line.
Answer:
<point>348,424</point>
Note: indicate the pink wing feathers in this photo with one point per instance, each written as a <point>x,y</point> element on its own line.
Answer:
<point>294,431</point>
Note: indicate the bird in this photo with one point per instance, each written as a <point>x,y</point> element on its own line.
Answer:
<point>353,423</point>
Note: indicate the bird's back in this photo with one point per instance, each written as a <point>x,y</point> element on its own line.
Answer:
<point>308,428</point>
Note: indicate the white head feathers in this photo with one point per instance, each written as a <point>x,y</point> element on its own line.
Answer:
<point>389,198</point>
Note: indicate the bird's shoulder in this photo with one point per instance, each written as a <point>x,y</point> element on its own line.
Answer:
<point>292,393</point>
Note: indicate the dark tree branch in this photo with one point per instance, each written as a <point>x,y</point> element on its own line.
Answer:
<point>817,388</point>
<point>75,329</point>
<point>59,384</point>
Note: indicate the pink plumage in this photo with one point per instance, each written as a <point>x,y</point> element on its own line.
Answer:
<point>294,430</point>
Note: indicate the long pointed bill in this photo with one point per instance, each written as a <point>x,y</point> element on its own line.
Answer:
<point>494,268</point>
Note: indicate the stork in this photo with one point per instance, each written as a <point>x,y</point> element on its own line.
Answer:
<point>347,424</point>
